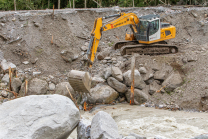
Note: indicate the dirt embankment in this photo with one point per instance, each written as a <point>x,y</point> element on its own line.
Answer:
<point>52,45</point>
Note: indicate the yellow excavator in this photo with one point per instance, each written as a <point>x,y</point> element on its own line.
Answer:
<point>148,37</point>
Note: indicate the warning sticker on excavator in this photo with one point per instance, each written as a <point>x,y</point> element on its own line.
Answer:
<point>111,25</point>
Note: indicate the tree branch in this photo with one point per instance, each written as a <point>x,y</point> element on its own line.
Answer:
<point>97,3</point>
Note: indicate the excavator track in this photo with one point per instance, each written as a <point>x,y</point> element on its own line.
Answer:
<point>129,47</point>
<point>150,49</point>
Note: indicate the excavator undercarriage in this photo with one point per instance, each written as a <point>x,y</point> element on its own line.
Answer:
<point>129,47</point>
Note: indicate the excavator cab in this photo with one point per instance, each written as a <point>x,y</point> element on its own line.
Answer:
<point>149,28</point>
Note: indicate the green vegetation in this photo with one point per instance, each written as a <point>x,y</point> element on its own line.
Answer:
<point>43,4</point>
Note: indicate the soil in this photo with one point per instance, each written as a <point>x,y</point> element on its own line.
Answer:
<point>57,40</point>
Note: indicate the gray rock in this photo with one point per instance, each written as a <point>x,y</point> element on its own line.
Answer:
<point>102,94</point>
<point>138,81</point>
<point>36,24</point>
<point>161,75</point>
<point>5,78</point>
<point>117,74</point>
<point>35,87</point>
<point>153,87</point>
<point>102,55</point>
<point>173,81</point>
<point>142,70</point>
<point>107,73</point>
<point>5,65</point>
<point>83,129</point>
<point>118,86</point>
<point>104,61</point>
<point>96,80</point>
<point>68,56</point>
<point>107,58</point>
<point>38,116</point>
<point>139,96</point>
<point>113,59</point>
<point>103,127</point>
<point>33,61</point>
<point>16,84</point>
<point>4,93</point>
<point>109,61</point>
<point>62,90</point>
<point>52,86</point>
<point>204,136</point>
<point>84,48</point>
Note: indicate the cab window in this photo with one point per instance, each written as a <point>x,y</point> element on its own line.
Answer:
<point>154,26</point>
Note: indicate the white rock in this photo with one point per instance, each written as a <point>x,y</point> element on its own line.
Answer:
<point>36,73</point>
<point>52,86</point>
<point>83,129</point>
<point>4,93</point>
<point>38,117</point>
<point>25,62</point>
<point>103,127</point>
<point>5,65</point>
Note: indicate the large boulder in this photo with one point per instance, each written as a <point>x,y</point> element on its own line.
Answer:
<point>83,129</point>
<point>96,80</point>
<point>173,81</point>
<point>154,87</point>
<point>35,87</point>
<point>139,96</point>
<point>38,117</point>
<point>138,81</point>
<point>5,78</point>
<point>62,90</point>
<point>107,73</point>
<point>117,74</point>
<point>102,94</point>
<point>16,84</point>
<point>104,127</point>
<point>120,87</point>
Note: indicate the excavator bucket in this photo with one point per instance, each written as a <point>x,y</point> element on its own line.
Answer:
<point>80,81</point>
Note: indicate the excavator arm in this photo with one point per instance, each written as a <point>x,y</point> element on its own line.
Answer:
<point>96,34</point>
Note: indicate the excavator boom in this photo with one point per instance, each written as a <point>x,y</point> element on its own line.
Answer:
<point>122,20</point>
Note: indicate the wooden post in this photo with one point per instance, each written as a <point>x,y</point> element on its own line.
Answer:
<point>85,3</point>
<point>59,4</point>
<point>15,5</point>
<point>53,12</point>
<point>132,79</point>
<point>10,79</point>
<point>73,4</point>
<point>26,86</point>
